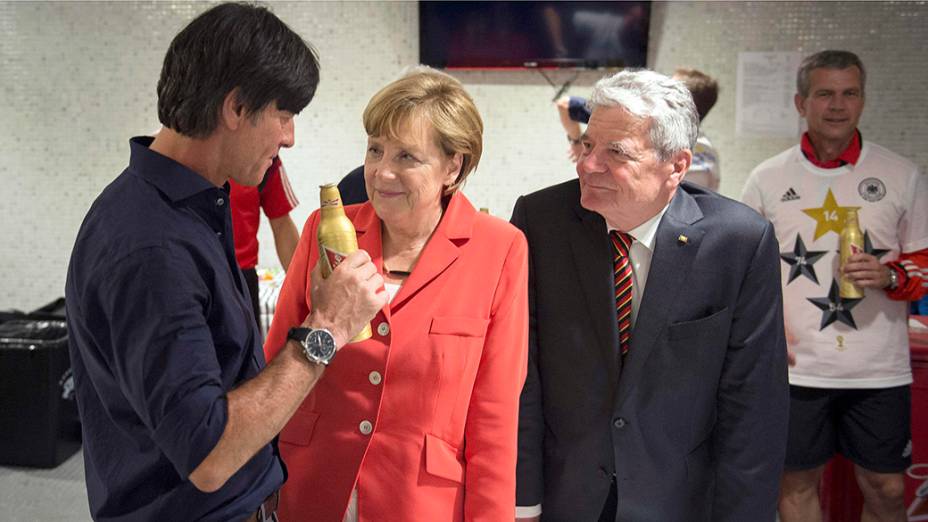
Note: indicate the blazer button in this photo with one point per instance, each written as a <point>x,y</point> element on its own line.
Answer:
<point>375,377</point>
<point>383,329</point>
<point>619,423</point>
<point>366,427</point>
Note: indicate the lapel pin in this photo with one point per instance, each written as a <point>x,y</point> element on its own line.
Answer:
<point>683,239</point>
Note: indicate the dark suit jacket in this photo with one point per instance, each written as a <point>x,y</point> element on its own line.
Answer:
<point>693,423</point>
<point>352,187</point>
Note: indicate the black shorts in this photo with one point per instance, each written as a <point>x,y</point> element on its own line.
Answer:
<point>871,427</point>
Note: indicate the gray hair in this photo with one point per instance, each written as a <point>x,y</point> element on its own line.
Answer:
<point>674,122</point>
<point>827,60</point>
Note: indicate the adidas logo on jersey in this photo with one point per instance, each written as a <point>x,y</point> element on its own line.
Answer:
<point>790,195</point>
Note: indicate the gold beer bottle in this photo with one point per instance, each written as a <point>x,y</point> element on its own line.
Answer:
<point>337,238</point>
<point>852,242</point>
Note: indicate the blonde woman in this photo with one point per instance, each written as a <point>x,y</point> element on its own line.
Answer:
<point>418,423</point>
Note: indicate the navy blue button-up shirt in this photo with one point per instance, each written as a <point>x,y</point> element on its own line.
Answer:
<point>160,329</point>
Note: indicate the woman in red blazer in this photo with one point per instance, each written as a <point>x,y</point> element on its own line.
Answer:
<point>418,423</point>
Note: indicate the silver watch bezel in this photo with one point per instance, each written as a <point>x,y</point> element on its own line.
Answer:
<point>893,279</point>
<point>313,346</point>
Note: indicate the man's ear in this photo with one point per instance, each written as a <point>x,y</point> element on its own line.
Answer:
<point>233,112</point>
<point>799,100</point>
<point>681,163</point>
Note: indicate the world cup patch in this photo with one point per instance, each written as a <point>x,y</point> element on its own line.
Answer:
<point>872,189</point>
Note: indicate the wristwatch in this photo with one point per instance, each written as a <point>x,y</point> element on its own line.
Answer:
<point>318,343</point>
<point>893,279</point>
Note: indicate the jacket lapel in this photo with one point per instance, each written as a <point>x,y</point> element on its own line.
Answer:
<point>454,229</point>
<point>592,252</point>
<point>670,266</point>
<point>367,226</point>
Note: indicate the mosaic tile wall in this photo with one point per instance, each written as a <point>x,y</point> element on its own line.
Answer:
<point>77,79</point>
<point>888,37</point>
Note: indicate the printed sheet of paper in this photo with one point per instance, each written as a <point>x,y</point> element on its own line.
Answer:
<point>766,86</point>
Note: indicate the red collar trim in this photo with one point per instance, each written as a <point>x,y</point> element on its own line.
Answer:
<point>850,155</point>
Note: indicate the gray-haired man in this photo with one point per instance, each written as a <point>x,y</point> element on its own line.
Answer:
<point>656,387</point>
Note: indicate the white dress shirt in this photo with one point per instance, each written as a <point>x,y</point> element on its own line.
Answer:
<point>639,253</point>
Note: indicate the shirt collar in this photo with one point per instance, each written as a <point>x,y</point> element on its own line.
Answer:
<point>850,155</point>
<point>647,231</point>
<point>171,178</point>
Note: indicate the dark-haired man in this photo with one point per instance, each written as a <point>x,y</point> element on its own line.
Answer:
<point>178,408</point>
<point>850,375</point>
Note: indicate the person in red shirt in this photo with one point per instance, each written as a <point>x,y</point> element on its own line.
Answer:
<point>275,197</point>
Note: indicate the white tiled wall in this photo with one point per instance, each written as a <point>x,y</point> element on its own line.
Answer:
<point>888,37</point>
<point>78,79</point>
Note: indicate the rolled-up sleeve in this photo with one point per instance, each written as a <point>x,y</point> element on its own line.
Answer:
<point>161,352</point>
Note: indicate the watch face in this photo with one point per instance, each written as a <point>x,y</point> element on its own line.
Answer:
<point>321,344</point>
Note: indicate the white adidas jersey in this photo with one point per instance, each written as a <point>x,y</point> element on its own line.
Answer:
<point>842,343</point>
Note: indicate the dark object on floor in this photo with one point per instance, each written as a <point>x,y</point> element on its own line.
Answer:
<point>39,426</point>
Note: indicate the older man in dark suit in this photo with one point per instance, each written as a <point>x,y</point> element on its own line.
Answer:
<point>657,383</point>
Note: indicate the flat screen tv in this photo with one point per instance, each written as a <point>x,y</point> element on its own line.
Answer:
<point>489,35</point>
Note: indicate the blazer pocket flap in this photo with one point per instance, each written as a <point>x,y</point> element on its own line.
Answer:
<point>466,326</point>
<point>711,324</point>
<point>299,430</point>
<point>441,459</point>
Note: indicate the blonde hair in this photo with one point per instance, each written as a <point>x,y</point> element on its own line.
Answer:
<point>443,102</point>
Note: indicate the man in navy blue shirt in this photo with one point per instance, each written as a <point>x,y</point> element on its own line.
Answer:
<point>179,411</point>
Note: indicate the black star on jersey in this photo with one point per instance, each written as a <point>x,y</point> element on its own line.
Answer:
<point>801,260</point>
<point>835,308</point>
<point>868,248</point>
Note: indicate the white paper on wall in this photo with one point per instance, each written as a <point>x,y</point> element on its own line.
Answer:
<point>764,96</point>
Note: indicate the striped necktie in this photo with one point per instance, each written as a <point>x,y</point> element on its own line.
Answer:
<point>621,242</point>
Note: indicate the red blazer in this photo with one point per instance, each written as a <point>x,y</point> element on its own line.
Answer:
<point>438,382</point>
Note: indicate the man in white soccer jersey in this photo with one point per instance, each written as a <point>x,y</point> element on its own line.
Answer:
<point>850,374</point>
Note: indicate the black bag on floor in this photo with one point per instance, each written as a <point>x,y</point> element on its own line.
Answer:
<point>39,426</point>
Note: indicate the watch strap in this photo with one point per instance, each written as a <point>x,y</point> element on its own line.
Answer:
<point>310,344</point>
<point>299,333</point>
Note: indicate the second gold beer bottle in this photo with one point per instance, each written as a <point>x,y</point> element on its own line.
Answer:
<point>852,242</point>
<point>337,237</point>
